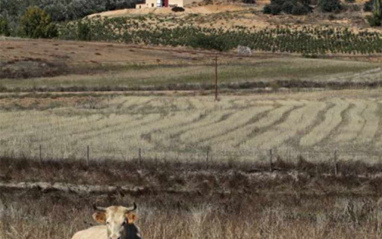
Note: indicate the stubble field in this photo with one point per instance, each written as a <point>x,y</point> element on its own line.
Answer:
<point>186,128</point>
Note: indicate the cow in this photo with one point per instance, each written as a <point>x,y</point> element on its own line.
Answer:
<point>117,223</point>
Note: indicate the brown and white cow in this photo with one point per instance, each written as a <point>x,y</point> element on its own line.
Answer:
<point>117,223</point>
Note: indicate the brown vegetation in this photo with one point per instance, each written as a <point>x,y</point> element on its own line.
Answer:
<point>230,200</point>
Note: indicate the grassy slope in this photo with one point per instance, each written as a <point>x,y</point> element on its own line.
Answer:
<point>245,70</point>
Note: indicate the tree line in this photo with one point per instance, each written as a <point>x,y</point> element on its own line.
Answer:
<point>58,10</point>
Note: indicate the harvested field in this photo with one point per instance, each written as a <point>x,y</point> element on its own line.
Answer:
<point>185,128</point>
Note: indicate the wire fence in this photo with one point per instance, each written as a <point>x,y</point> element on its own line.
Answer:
<point>196,155</point>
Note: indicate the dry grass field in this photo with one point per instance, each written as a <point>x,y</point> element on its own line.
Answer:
<point>191,201</point>
<point>181,127</point>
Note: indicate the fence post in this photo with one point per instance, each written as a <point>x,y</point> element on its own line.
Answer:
<point>216,78</point>
<point>139,156</point>
<point>335,163</point>
<point>88,155</point>
<point>40,153</point>
<point>207,158</point>
<point>270,160</point>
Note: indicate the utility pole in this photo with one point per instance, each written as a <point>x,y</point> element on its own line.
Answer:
<point>216,78</point>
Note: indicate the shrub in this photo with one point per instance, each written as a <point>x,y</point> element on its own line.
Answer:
<point>300,9</point>
<point>353,7</point>
<point>4,27</point>
<point>211,42</point>
<point>278,2</point>
<point>330,5</point>
<point>287,7</point>
<point>374,20</point>
<point>369,5</point>
<point>36,23</point>
<point>350,1</point>
<point>83,31</point>
<point>177,9</point>
<point>272,9</point>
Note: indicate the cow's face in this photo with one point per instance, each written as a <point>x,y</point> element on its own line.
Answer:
<point>116,219</point>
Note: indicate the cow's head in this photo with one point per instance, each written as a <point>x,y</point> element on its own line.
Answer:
<point>119,221</point>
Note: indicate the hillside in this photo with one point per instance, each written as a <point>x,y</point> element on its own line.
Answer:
<point>232,15</point>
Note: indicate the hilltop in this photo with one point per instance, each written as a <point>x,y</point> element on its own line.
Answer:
<point>229,16</point>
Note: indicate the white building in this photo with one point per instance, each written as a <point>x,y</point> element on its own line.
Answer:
<point>165,3</point>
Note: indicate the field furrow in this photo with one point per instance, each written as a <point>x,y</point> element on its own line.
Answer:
<point>205,118</point>
<point>129,122</point>
<point>355,122</point>
<point>86,126</point>
<point>234,138</point>
<point>371,125</point>
<point>298,120</point>
<point>142,136</point>
<point>235,120</point>
<point>332,119</point>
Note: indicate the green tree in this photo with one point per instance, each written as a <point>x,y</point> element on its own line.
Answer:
<point>378,8</point>
<point>84,32</point>
<point>36,23</point>
<point>376,18</point>
<point>4,27</point>
<point>330,5</point>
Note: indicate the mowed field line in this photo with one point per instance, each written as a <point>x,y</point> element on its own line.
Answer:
<point>131,123</point>
<point>100,140</point>
<point>171,136</point>
<point>28,119</point>
<point>86,126</point>
<point>332,119</point>
<point>41,122</point>
<point>298,121</point>
<point>371,125</point>
<point>141,136</point>
<point>233,121</point>
<point>355,123</point>
<point>238,136</point>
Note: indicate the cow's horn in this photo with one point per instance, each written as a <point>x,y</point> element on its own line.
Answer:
<point>133,208</point>
<point>102,209</point>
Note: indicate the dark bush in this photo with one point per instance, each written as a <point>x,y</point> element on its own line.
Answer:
<point>36,23</point>
<point>300,9</point>
<point>330,5</point>
<point>352,7</point>
<point>177,9</point>
<point>249,1</point>
<point>369,5</point>
<point>350,1</point>
<point>374,20</point>
<point>84,31</point>
<point>287,7</point>
<point>4,27</point>
<point>210,42</point>
<point>278,2</point>
<point>272,9</point>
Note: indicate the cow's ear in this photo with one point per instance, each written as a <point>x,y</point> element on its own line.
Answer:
<point>131,217</point>
<point>100,217</point>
